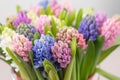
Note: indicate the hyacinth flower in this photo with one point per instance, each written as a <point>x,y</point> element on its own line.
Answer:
<point>35,9</point>
<point>21,18</point>
<point>100,18</point>
<point>66,34</point>
<point>42,21</point>
<point>61,53</point>
<point>110,30</point>
<point>88,27</point>
<point>22,46</point>
<point>44,3</point>
<point>6,39</point>
<point>42,50</point>
<point>33,17</point>
<point>27,30</point>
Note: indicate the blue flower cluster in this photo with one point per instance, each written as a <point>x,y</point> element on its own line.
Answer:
<point>27,30</point>
<point>42,50</point>
<point>88,27</point>
<point>44,3</point>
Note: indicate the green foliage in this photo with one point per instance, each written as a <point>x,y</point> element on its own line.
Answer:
<point>18,8</point>
<point>50,70</point>
<point>106,74</point>
<point>78,18</point>
<point>37,71</point>
<point>70,68</point>
<point>107,52</point>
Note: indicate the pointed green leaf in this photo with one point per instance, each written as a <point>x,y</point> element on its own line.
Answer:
<point>54,27</point>
<point>18,8</point>
<point>71,18</point>
<point>99,43</point>
<point>36,36</point>
<point>37,71</point>
<point>50,69</point>
<point>89,58</point>
<point>47,28</point>
<point>79,18</point>
<point>107,52</point>
<point>48,10</point>
<point>69,69</point>
<point>73,46</point>
<point>62,15</point>
<point>42,11</point>
<point>107,75</point>
<point>23,71</point>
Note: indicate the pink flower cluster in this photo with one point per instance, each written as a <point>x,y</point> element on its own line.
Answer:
<point>41,23</point>
<point>66,34</point>
<point>61,53</point>
<point>110,30</point>
<point>21,46</point>
<point>57,8</point>
<point>35,9</point>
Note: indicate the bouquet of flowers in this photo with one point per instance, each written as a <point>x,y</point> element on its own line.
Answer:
<point>52,41</point>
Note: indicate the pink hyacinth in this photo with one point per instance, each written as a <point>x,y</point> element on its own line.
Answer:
<point>35,9</point>
<point>100,18</point>
<point>41,23</point>
<point>67,33</point>
<point>111,30</point>
<point>21,46</point>
<point>57,8</point>
<point>61,53</point>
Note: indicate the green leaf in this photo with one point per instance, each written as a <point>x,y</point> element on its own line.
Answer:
<point>47,28</point>
<point>18,8</point>
<point>70,67</point>
<point>11,26</point>
<point>1,28</point>
<point>71,18</point>
<point>54,27</point>
<point>89,58</point>
<point>50,69</point>
<point>1,52</point>
<point>62,15</point>
<point>37,71</point>
<point>73,46</point>
<point>79,18</point>
<point>48,10</point>
<point>107,75</point>
<point>99,43</point>
<point>42,11</point>
<point>107,52</point>
<point>23,71</point>
<point>36,36</point>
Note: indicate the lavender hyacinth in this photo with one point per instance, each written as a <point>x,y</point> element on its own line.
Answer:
<point>61,53</point>
<point>21,18</point>
<point>88,27</point>
<point>42,50</point>
<point>27,30</point>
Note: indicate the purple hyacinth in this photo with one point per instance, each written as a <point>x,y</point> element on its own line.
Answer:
<point>27,30</point>
<point>42,50</point>
<point>88,27</point>
<point>61,53</point>
<point>100,18</point>
<point>21,18</point>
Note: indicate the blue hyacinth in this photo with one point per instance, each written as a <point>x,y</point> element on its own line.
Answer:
<point>88,27</point>
<point>42,50</point>
<point>44,3</point>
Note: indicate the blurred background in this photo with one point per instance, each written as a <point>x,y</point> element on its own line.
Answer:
<point>111,7</point>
